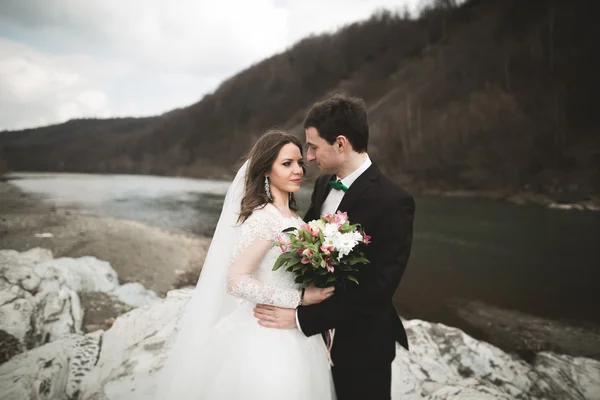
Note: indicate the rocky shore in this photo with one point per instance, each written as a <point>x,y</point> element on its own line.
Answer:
<point>122,362</point>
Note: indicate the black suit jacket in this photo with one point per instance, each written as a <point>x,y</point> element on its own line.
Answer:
<point>367,325</point>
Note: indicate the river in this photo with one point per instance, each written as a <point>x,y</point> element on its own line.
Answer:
<point>522,257</point>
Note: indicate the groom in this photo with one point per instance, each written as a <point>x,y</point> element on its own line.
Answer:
<point>365,321</point>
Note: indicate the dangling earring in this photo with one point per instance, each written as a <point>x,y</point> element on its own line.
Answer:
<point>268,188</point>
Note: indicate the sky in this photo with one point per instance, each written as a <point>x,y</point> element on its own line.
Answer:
<point>64,59</point>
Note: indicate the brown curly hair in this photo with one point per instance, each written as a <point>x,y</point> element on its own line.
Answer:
<point>262,156</point>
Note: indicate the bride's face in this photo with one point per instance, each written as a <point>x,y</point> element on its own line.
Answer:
<point>286,172</point>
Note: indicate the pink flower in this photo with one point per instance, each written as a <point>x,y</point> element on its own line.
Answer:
<point>327,249</point>
<point>299,251</point>
<point>329,264</point>
<point>305,227</point>
<point>328,217</point>
<point>341,217</point>
<point>283,244</point>
<point>367,239</point>
<point>308,253</point>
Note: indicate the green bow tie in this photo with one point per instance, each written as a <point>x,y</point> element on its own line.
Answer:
<point>338,185</point>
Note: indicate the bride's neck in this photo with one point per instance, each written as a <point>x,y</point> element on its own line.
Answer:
<point>282,201</point>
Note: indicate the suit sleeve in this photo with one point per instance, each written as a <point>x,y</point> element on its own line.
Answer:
<point>389,255</point>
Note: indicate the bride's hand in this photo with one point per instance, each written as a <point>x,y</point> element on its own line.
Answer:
<point>315,295</point>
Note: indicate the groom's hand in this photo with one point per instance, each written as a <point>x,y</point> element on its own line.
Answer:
<point>275,317</point>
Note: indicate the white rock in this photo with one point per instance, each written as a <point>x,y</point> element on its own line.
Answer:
<point>444,363</point>
<point>84,274</point>
<point>135,294</point>
<point>52,371</point>
<point>579,377</point>
<point>44,235</point>
<point>566,206</point>
<point>55,308</point>
<point>31,256</point>
<point>38,302</point>
<point>17,268</point>
<point>16,309</point>
<point>59,313</point>
<point>133,349</point>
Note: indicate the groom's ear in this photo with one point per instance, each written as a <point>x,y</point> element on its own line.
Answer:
<point>341,142</point>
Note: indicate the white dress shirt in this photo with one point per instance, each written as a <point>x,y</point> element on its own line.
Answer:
<point>334,198</point>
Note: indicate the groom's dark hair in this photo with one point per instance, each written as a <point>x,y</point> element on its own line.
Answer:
<point>341,115</point>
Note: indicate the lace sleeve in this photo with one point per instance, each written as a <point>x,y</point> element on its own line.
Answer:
<point>258,233</point>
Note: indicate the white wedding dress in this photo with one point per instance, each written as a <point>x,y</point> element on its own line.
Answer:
<point>247,361</point>
<point>228,355</point>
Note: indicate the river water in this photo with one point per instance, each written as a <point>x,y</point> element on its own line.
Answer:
<point>523,257</point>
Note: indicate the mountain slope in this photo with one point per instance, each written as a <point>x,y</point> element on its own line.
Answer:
<point>492,94</point>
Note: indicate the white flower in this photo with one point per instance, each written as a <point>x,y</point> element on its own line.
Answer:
<point>356,236</point>
<point>344,244</point>
<point>331,230</point>
<point>330,240</point>
<point>317,225</point>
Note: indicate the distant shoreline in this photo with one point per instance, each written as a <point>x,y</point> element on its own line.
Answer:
<point>518,197</point>
<point>521,197</point>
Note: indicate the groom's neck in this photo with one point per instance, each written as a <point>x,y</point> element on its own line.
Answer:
<point>353,162</point>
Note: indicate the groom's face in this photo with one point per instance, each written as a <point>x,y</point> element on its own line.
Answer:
<point>328,157</point>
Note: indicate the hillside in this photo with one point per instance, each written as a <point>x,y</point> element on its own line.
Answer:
<point>495,94</point>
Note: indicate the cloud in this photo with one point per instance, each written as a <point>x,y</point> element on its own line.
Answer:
<point>67,58</point>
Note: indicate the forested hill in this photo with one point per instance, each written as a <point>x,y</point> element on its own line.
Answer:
<point>491,94</point>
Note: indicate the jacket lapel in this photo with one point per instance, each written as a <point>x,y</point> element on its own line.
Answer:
<point>324,190</point>
<point>360,185</point>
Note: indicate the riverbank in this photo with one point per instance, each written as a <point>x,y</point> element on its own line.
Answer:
<point>557,201</point>
<point>162,260</point>
<point>158,259</point>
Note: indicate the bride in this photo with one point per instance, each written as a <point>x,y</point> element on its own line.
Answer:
<point>221,352</point>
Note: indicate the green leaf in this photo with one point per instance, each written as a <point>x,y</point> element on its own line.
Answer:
<point>297,267</point>
<point>295,242</point>
<point>358,259</point>
<point>279,262</point>
<point>285,260</point>
<point>353,279</point>
<point>312,246</point>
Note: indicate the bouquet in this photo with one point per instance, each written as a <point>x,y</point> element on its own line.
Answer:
<point>324,252</point>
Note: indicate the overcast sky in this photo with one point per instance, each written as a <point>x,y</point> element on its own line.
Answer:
<point>63,59</point>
